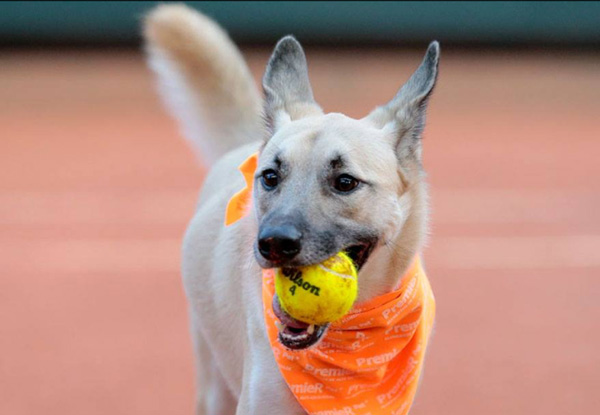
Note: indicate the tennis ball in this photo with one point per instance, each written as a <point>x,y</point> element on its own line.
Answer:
<point>319,293</point>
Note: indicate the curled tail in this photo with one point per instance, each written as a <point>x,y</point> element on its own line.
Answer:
<point>204,80</point>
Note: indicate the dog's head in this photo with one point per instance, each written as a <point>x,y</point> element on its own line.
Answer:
<point>327,183</point>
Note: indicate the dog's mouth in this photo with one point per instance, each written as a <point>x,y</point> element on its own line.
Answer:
<point>297,335</point>
<point>359,253</point>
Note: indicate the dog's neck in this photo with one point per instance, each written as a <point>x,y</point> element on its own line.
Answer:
<point>390,261</point>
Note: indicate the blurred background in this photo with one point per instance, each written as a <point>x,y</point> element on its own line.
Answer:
<point>96,187</point>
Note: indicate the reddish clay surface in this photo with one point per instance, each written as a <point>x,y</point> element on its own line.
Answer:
<point>96,187</point>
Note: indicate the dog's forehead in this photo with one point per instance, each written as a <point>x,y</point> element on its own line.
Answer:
<point>319,139</point>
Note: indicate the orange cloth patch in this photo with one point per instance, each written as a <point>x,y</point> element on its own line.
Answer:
<point>238,205</point>
<point>369,362</point>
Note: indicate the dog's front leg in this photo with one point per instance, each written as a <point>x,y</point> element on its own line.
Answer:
<point>264,391</point>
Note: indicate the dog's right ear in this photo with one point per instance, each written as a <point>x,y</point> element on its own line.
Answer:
<point>405,113</point>
<point>288,94</point>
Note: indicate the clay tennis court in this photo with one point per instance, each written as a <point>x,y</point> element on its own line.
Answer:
<point>96,187</point>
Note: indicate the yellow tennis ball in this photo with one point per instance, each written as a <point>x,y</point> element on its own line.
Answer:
<point>320,293</point>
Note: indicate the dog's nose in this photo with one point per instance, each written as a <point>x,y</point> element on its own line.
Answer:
<point>279,243</point>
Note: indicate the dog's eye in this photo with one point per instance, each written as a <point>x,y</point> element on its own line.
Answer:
<point>345,183</point>
<point>269,179</point>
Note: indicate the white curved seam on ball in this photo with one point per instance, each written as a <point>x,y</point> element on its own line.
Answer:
<point>335,273</point>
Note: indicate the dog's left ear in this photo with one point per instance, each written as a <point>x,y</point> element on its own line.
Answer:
<point>405,113</point>
<point>288,94</point>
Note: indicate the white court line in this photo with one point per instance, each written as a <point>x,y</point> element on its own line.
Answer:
<point>49,208</point>
<point>76,257</point>
<point>498,206</point>
<point>511,253</point>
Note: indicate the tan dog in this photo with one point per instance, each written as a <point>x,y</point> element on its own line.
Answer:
<point>324,183</point>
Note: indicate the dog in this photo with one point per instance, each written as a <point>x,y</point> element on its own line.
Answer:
<point>324,183</point>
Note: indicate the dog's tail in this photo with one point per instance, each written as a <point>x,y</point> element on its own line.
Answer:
<point>204,80</point>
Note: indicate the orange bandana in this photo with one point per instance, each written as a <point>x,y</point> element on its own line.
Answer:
<point>367,363</point>
<point>239,203</point>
